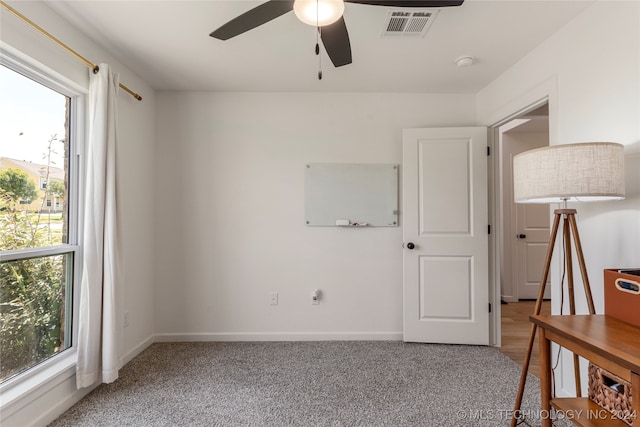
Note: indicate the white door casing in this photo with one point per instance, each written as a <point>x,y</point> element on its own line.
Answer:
<point>445,286</point>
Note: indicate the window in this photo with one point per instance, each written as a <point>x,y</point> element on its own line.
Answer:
<point>38,244</point>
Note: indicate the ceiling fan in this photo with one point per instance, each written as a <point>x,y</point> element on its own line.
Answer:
<point>333,30</point>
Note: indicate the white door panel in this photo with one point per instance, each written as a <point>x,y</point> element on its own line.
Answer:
<point>444,209</point>
<point>446,296</point>
<point>533,223</point>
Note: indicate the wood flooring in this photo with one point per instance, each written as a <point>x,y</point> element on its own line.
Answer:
<point>516,330</point>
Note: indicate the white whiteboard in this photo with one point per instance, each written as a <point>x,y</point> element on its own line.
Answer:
<point>362,194</point>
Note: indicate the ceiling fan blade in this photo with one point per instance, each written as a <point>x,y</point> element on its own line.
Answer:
<point>335,39</point>
<point>409,3</point>
<point>253,18</point>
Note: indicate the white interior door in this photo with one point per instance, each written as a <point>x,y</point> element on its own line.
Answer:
<point>527,238</point>
<point>533,231</point>
<point>445,219</point>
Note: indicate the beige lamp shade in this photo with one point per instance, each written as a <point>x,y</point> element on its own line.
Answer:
<point>584,172</point>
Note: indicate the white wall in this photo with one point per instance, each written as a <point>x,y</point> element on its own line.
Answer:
<point>231,213</point>
<point>136,165</point>
<point>591,71</point>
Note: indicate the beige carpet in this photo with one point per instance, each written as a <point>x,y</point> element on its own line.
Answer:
<point>309,384</point>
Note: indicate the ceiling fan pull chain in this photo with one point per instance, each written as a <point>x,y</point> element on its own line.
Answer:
<point>318,37</point>
<point>319,62</point>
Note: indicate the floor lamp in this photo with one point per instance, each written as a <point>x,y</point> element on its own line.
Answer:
<point>584,172</point>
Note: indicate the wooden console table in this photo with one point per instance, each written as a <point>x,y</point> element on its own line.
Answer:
<point>609,343</point>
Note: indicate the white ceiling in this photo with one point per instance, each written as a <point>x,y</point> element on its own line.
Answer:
<point>167,43</point>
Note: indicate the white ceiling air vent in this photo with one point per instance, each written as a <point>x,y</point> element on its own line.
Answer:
<point>403,23</point>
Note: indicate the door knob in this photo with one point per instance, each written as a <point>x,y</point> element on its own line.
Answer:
<point>410,245</point>
<point>522,236</point>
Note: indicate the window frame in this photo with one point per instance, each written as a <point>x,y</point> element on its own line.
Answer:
<point>16,387</point>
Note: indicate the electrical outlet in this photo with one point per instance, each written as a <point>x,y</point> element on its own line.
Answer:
<point>274,298</point>
<point>126,319</point>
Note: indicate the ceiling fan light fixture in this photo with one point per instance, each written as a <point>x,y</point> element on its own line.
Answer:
<point>318,12</point>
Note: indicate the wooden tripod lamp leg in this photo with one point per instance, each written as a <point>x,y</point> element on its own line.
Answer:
<point>569,266</point>
<point>568,260</point>
<point>571,219</point>
<point>583,268</point>
<point>536,310</point>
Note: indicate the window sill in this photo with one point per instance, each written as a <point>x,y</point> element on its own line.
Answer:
<point>38,380</point>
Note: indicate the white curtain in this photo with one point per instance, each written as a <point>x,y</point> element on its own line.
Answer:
<point>99,326</point>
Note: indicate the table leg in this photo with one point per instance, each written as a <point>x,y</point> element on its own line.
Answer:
<point>545,378</point>
<point>635,402</point>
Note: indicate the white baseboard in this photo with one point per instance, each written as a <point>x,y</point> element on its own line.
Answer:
<point>138,349</point>
<point>62,406</point>
<point>54,396</point>
<point>279,336</point>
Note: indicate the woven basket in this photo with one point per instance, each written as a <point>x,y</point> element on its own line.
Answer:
<point>610,392</point>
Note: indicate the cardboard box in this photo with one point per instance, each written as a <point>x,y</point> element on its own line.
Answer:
<point>622,294</point>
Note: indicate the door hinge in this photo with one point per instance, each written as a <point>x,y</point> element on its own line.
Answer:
<point>489,229</point>
<point>488,150</point>
<point>489,307</point>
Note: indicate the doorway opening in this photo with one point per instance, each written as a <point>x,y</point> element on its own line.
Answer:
<point>523,235</point>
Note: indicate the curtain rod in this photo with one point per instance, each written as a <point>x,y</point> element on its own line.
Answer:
<point>62,45</point>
